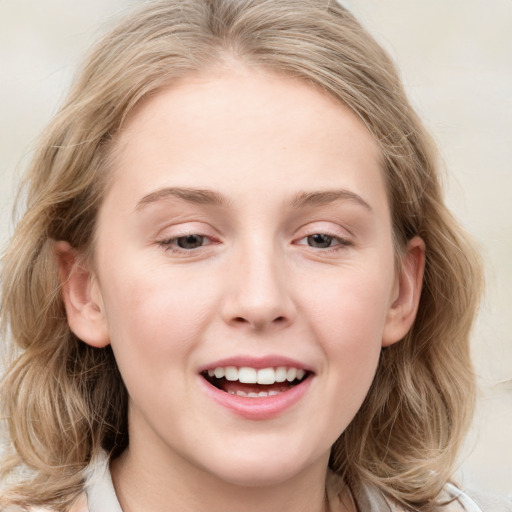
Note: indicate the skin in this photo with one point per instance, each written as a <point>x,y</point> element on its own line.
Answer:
<point>259,285</point>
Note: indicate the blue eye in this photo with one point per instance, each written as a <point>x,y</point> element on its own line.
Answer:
<point>185,243</point>
<point>324,241</point>
<point>190,241</point>
<point>320,240</point>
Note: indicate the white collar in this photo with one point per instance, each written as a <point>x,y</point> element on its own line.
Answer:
<point>101,496</point>
<point>99,489</point>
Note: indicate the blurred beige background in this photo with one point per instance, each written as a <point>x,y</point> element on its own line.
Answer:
<point>455,56</point>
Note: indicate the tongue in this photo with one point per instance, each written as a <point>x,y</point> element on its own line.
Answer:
<point>234,386</point>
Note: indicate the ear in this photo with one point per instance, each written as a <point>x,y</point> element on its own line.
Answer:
<point>406,293</point>
<point>81,294</point>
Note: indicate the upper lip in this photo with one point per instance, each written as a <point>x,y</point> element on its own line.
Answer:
<point>270,361</point>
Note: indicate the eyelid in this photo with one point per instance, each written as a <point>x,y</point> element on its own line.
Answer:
<point>343,236</point>
<point>170,245</point>
<point>186,228</point>
<point>342,242</point>
<point>168,236</point>
<point>324,227</point>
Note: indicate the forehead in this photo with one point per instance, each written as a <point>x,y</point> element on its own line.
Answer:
<point>245,128</point>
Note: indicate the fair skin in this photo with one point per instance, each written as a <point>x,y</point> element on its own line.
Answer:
<point>247,225</point>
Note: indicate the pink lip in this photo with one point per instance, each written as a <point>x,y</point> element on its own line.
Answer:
<point>261,408</point>
<point>256,362</point>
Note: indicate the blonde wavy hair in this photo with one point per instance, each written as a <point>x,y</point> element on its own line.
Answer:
<point>64,401</point>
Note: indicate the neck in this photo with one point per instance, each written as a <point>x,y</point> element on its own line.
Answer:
<point>143,483</point>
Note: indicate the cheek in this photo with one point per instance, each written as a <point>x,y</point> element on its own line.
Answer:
<point>348,318</point>
<point>154,317</point>
<point>155,326</point>
<point>352,307</point>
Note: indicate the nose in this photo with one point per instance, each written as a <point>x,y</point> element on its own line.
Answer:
<point>258,292</point>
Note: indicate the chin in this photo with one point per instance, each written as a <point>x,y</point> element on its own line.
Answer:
<point>261,469</point>
<point>256,477</point>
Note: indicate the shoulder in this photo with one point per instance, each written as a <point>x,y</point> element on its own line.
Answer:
<point>451,499</point>
<point>80,505</point>
<point>457,500</point>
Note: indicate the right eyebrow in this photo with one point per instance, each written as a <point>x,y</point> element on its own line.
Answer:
<point>324,197</point>
<point>191,195</point>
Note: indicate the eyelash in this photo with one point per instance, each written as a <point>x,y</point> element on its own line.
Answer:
<point>341,242</point>
<point>170,244</point>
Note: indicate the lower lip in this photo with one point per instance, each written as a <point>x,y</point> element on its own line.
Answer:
<point>258,408</point>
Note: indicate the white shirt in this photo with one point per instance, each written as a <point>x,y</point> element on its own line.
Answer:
<point>101,497</point>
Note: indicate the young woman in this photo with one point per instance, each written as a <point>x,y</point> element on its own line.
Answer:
<point>236,285</point>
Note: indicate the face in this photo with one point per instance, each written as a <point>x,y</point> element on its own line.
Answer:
<point>245,274</point>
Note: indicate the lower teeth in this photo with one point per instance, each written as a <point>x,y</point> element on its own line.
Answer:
<point>254,395</point>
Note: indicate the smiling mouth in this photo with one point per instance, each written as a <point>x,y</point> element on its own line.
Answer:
<point>255,383</point>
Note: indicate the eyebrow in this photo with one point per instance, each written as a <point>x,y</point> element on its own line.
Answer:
<point>212,198</point>
<point>325,197</point>
<point>191,195</point>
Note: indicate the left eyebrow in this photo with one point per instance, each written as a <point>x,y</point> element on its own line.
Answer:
<point>325,197</point>
<point>190,195</point>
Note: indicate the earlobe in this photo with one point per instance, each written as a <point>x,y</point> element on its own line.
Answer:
<point>405,302</point>
<point>82,297</point>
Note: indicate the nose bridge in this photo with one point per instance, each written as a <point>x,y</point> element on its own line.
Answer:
<point>259,293</point>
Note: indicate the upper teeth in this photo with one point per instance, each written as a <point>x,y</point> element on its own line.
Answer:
<point>248,375</point>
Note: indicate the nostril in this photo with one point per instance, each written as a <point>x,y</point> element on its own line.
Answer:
<point>241,320</point>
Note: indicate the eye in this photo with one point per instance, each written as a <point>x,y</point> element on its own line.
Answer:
<point>320,240</point>
<point>323,241</point>
<point>190,241</point>
<point>186,243</point>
